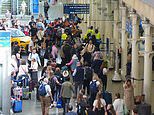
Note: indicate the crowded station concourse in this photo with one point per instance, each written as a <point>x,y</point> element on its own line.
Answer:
<point>97,62</point>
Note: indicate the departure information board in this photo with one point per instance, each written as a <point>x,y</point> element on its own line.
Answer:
<point>76,8</point>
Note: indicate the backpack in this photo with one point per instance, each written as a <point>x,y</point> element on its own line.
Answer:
<point>88,73</point>
<point>52,84</point>
<point>42,90</point>
<point>93,87</point>
<point>81,107</point>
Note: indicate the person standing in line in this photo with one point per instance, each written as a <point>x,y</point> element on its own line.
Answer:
<point>23,72</point>
<point>35,56</point>
<point>78,77</point>
<point>14,66</point>
<point>103,74</point>
<point>95,86</point>
<point>34,72</point>
<point>54,51</point>
<point>46,8</point>
<point>118,104</point>
<point>53,82</point>
<point>73,63</point>
<point>66,93</point>
<point>46,100</point>
<point>129,95</point>
<point>99,105</point>
<point>110,110</point>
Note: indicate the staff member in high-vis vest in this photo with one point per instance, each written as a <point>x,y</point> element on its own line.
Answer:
<point>89,33</point>
<point>64,37</point>
<point>98,37</point>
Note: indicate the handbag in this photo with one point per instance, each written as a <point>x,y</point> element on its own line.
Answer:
<point>59,103</point>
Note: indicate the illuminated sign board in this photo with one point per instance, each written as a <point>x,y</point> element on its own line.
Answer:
<point>76,8</point>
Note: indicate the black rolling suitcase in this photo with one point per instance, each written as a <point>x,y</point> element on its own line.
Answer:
<point>107,96</point>
<point>144,109</point>
<point>25,93</point>
<point>25,89</point>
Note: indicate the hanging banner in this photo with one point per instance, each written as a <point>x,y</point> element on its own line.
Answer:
<point>35,6</point>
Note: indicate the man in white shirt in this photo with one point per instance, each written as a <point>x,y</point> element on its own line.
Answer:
<point>30,46</point>
<point>35,56</point>
<point>46,100</point>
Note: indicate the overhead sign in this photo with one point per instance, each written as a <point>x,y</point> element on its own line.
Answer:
<point>76,8</point>
<point>5,39</point>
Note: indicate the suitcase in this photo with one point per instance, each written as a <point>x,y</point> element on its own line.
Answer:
<point>26,82</point>
<point>17,107</point>
<point>107,96</point>
<point>25,93</point>
<point>144,109</point>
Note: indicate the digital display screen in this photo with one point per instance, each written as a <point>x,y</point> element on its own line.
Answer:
<point>76,8</point>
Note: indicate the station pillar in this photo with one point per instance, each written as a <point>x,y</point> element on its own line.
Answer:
<point>123,43</point>
<point>148,62</point>
<point>135,57</point>
<point>116,76</point>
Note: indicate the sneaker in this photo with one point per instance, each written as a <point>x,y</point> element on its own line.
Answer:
<point>51,106</point>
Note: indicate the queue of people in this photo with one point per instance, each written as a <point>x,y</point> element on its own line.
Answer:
<point>81,72</point>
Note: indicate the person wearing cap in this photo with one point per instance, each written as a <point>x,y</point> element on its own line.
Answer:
<point>66,93</point>
<point>46,100</point>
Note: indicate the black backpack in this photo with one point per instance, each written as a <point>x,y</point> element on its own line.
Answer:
<point>88,73</point>
<point>81,107</point>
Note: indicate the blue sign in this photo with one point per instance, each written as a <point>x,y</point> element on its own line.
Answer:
<point>76,8</point>
<point>129,26</point>
<point>5,39</point>
<point>35,6</point>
